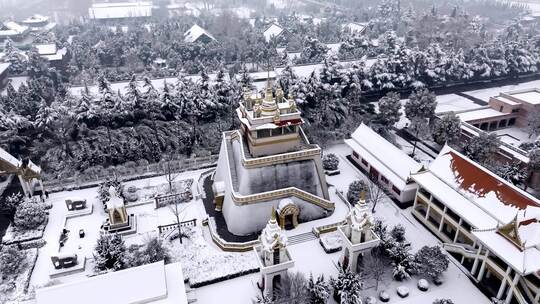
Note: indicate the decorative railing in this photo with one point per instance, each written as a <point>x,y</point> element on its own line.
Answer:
<point>174,226</point>
<point>314,150</point>
<point>327,228</point>
<point>229,246</point>
<point>239,199</point>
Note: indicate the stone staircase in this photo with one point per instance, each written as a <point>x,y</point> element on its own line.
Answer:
<point>302,238</point>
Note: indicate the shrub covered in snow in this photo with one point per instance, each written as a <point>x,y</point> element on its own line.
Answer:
<point>151,252</point>
<point>330,162</point>
<point>319,290</point>
<point>384,296</point>
<point>398,233</point>
<point>30,215</point>
<point>423,284</point>
<point>355,188</point>
<point>443,301</point>
<point>10,260</point>
<point>431,261</point>
<point>347,287</point>
<point>109,252</point>
<point>403,291</point>
<point>447,129</point>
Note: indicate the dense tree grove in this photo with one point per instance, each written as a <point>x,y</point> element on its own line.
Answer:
<point>139,124</point>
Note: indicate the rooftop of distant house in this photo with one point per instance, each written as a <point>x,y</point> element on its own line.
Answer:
<point>120,10</point>
<point>196,32</point>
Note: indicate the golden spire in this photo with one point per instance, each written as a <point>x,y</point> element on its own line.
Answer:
<point>363,196</point>
<point>273,215</point>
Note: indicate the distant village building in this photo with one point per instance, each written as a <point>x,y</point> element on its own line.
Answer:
<point>4,68</point>
<point>269,163</point>
<point>355,27</point>
<point>117,11</point>
<point>38,22</point>
<point>13,31</point>
<point>197,34</point>
<point>384,162</point>
<point>488,224</point>
<point>273,31</point>
<point>505,110</point>
<point>56,57</point>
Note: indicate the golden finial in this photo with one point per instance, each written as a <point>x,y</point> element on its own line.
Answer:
<point>273,215</point>
<point>363,196</point>
<point>277,117</point>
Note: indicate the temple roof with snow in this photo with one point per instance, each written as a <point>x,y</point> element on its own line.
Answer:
<point>506,219</point>
<point>197,33</point>
<point>388,159</point>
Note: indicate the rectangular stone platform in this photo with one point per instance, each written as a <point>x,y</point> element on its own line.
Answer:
<point>80,267</point>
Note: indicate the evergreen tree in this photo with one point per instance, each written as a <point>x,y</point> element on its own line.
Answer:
<point>109,252</point>
<point>347,287</point>
<point>431,261</point>
<point>447,129</point>
<point>389,109</point>
<point>482,147</point>
<point>319,290</point>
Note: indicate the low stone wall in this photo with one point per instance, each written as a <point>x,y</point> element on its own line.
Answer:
<point>229,246</point>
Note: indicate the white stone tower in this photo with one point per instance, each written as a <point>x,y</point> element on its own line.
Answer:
<point>274,258</point>
<point>357,235</point>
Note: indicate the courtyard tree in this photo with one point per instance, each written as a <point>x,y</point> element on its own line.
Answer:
<point>389,109</point>
<point>347,286</point>
<point>398,233</point>
<point>373,267</point>
<point>318,289</point>
<point>30,215</point>
<point>533,123</point>
<point>109,252</point>
<point>510,171</point>
<point>431,261</point>
<point>355,189</point>
<point>10,203</point>
<point>178,209</point>
<point>420,109</point>
<point>150,252</point>
<point>169,172</point>
<point>330,162</point>
<point>533,167</point>
<point>481,148</point>
<point>447,129</point>
<point>11,260</point>
<point>375,194</point>
<point>293,289</point>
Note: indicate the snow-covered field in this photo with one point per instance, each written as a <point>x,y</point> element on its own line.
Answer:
<point>202,262</point>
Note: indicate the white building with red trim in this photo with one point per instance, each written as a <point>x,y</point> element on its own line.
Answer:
<point>491,226</point>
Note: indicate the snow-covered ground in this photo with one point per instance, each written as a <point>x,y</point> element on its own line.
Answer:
<point>148,219</point>
<point>485,94</point>
<point>513,136</point>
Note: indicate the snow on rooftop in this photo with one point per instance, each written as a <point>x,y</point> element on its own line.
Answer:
<point>498,198</point>
<point>390,161</point>
<point>195,32</point>
<point>120,10</point>
<point>480,114</point>
<point>5,156</point>
<point>531,96</point>
<point>355,27</point>
<point>12,28</point>
<point>152,283</point>
<point>57,55</point>
<point>36,19</point>
<point>454,103</point>
<point>3,67</point>
<point>46,49</point>
<point>273,30</point>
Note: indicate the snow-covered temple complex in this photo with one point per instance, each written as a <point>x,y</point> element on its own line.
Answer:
<point>491,226</point>
<point>269,163</point>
